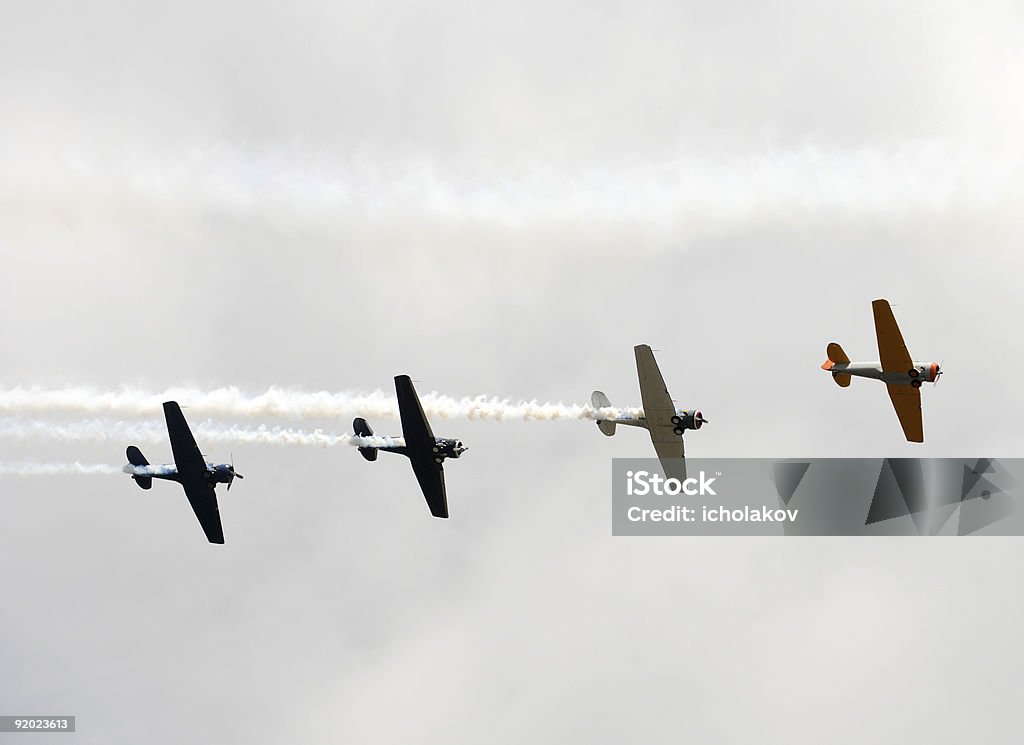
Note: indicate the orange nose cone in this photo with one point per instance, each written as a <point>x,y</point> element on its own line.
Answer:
<point>933,373</point>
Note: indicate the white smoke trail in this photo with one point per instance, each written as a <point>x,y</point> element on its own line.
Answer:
<point>57,469</point>
<point>709,194</point>
<point>163,469</point>
<point>284,403</point>
<point>206,432</point>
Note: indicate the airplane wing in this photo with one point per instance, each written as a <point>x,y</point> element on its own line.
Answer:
<point>187,457</point>
<point>415,426</point>
<point>659,410</point>
<point>203,498</point>
<point>419,440</point>
<point>658,406</point>
<point>670,452</point>
<point>907,402</point>
<point>191,467</point>
<point>430,474</point>
<point>892,350</point>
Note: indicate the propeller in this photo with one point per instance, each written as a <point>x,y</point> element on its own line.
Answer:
<point>233,474</point>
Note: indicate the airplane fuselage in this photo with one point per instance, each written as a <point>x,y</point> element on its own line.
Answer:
<point>216,473</point>
<point>684,418</point>
<point>920,373</point>
<point>443,447</point>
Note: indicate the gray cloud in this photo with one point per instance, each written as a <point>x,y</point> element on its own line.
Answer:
<point>503,201</point>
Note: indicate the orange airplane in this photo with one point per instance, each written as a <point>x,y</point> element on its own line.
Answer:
<point>900,373</point>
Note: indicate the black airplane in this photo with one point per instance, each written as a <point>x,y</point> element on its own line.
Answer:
<point>190,469</point>
<point>426,452</point>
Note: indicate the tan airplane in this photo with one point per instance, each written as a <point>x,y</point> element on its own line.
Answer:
<point>660,417</point>
<point>900,373</point>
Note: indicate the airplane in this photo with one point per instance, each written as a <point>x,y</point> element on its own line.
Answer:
<point>418,444</point>
<point>190,469</point>
<point>659,415</point>
<point>902,376</point>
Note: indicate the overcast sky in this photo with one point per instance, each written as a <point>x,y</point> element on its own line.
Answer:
<point>503,200</point>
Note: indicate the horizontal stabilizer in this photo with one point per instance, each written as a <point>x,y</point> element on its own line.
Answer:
<point>362,429</point>
<point>836,354</point>
<point>600,401</point>
<point>144,482</point>
<point>842,379</point>
<point>135,456</point>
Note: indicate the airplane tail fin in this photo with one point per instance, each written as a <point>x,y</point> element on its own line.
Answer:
<point>836,356</point>
<point>136,458</point>
<point>600,401</point>
<point>361,428</point>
